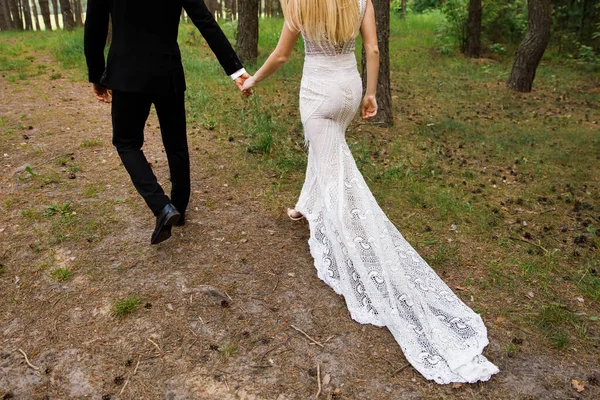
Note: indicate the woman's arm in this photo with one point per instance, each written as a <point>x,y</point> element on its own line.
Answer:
<point>368,32</point>
<point>278,57</point>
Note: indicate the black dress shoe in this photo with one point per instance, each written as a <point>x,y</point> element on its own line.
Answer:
<point>165,219</point>
<point>181,221</point>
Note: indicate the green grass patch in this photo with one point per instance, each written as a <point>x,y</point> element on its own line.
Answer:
<point>61,274</point>
<point>124,307</point>
<point>91,143</point>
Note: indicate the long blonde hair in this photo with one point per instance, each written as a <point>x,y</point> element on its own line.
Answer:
<point>323,21</point>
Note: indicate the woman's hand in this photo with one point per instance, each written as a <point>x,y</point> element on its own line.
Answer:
<point>369,107</point>
<point>249,84</point>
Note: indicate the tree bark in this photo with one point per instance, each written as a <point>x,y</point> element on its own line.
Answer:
<point>15,11</point>
<point>247,35</point>
<point>55,12</point>
<point>78,11</point>
<point>384,94</point>
<point>582,22</point>
<point>35,15</point>
<point>67,14</point>
<point>473,47</point>
<point>5,18</point>
<point>403,12</point>
<point>211,5</point>
<point>531,49</point>
<point>45,11</point>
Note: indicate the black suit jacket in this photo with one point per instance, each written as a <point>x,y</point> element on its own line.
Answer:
<point>144,56</point>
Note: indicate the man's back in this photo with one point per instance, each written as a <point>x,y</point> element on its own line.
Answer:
<point>144,56</point>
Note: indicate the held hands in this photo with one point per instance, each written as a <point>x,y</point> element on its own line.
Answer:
<point>102,94</point>
<point>369,107</point>
<point>241,84</point>
<point>249,84</point>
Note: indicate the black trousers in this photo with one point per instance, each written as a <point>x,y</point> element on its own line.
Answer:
<point>129,114</point>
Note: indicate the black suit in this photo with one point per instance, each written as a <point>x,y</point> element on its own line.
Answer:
<point>144,68</point>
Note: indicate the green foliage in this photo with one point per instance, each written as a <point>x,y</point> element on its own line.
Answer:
<point>61,274</point>
<point>452,31</point>
<point>124,307</point>
<point>227,349</point>
<point>420,6</point>
<point>504,21</point>
<point>57,209</point>
<point>258,126</point>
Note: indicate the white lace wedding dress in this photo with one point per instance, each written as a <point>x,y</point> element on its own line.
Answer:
<point>359,252</point>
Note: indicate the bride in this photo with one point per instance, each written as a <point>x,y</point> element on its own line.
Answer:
<point>357,250</point>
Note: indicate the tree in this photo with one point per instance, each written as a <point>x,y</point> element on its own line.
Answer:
<point>473,46</point>
<point>384,94</point>
<point>55,12</point>
<point>15,11</point>
<point>36,15</point>
<point>78,12</point>
<point>403,9</point>
<point>27,15</point>
<point>45,10</point>
<point>247,35</point>
<point>67,14</point>
<point>531,49</point>
<point>5,18</point>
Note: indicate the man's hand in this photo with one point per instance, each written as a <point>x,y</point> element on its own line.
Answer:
<point>102,94</point>
<point>239,82</point>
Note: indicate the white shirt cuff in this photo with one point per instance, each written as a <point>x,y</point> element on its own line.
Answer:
<point>238,74</point>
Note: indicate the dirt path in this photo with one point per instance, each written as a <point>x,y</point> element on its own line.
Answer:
<point>218,300</point>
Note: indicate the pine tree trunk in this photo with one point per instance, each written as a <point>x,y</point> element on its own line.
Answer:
<point>78,11</point>
<point>384,93</point>
<point>15,11</point>
<point>582,22</point>
<point>5,19</point>
<point>247,36</point>
<point>473,47</point>
<point>211,5</point>
<point>67,14</point>
<point>35,15</point>
<point>56,13</point>
<point>45,11</point>
<point>531,49</point>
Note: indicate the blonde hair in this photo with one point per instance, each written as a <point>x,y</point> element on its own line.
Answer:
<point>323,21</point>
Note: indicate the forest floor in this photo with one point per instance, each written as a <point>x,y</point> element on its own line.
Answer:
<point>507,219</point>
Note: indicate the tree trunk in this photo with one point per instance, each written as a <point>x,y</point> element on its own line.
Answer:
<point>67,14</point>
<point>55,12</point>
<point>247,35</point>
<point>403,5</point>
<point>582,23</point>
<point>473,47</point>
<point>211,5</point>
<point>16,14</point>
<point>384,93</point>
<point>532,48</point>
<point>5,19</point>
<point>78,11</point>
<point>35,15</point>
<point>45,10</point>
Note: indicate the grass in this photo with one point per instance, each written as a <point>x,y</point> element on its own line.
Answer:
<point>61,274</point>
<point>91,143</point>
<point>227,350</point>
<point>124,307</point>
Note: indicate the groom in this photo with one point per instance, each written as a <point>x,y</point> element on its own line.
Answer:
<point>144,68</point>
